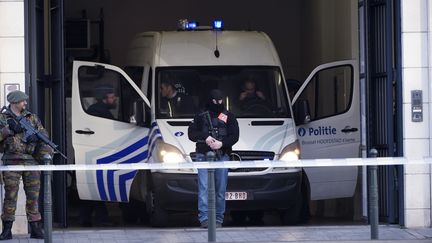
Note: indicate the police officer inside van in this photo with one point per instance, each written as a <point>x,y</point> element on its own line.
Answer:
<point>250,96</point>
<point>226,127</point>
<point>106,101</point>
<point>172,102</point>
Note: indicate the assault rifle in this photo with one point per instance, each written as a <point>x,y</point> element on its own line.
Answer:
<point>29,131</point>
<point>213,132</point>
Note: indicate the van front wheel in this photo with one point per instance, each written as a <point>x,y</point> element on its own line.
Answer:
<point>158,215</point>
<point>134,212</point>
<point>292,215</point>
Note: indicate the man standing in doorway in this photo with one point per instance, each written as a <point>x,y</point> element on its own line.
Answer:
<point>20,150</point>
<point>225,123</point>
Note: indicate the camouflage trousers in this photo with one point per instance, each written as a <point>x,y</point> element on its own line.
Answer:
<point>31,181</point>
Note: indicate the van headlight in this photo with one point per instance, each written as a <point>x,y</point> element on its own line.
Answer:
<point>290,152</point>
<point>167,153</point>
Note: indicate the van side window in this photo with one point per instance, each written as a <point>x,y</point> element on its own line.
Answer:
<point>106,93</point>
<point>329,92</point>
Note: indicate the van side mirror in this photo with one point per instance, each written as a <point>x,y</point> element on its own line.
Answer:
<point>302,112</point>
<point>139,114</point>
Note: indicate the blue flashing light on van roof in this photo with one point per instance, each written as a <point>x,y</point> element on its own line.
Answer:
<point>191,25</point>
<point>217,24</point>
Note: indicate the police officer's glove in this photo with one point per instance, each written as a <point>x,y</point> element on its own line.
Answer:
<point>6,132</point>
<point>32,139</point>
<point>216,145</point>
<point>14,126</point>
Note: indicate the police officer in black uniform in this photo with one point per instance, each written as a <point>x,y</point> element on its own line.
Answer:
<point>225,123</point>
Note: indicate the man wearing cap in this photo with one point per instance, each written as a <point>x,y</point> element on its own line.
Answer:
<point>225,123</point>
<point>20,152</point>
<point>106,100</point>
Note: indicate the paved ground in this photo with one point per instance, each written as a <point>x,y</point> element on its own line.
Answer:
<point>239,234</point>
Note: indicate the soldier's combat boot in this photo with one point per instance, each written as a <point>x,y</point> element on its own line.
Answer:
<point>36,230</point>
<point>7,230</point>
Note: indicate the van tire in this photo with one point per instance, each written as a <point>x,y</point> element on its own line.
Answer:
<point>300,211</point>
<point>158,216</point>
<point>305,188</point>
<point>292,215</point>
<point>134,212</point>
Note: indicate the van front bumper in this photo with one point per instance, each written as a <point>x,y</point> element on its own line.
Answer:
<point>178,192</point>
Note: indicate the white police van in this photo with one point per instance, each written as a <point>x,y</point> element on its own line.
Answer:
<point>196,60</point>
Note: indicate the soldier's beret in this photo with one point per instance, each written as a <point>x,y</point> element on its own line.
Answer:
<point>16,96</point>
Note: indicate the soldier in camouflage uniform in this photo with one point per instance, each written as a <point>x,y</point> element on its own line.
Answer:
<point>18,152</point>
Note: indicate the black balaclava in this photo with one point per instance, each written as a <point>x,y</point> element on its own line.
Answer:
<point>217,95</point>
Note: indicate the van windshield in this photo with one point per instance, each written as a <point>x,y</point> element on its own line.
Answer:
<point>251,91</point>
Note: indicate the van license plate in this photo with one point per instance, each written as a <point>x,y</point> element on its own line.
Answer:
<point>235,195</point>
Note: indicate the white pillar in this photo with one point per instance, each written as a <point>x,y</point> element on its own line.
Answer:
<point>12,75</point>
<point>416,73</point>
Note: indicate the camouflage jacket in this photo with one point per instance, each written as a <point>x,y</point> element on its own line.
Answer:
<point>14,146</point>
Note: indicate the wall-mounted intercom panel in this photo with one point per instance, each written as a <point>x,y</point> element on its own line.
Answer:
<point>416,106</point>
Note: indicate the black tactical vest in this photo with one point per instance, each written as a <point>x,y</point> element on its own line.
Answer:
<point>219,126</point>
